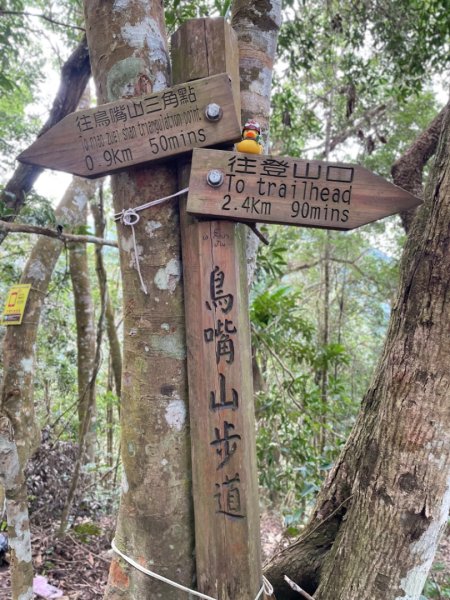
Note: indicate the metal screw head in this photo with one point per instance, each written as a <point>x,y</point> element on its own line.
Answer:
<point>215,178</point>
<point>213,112</point>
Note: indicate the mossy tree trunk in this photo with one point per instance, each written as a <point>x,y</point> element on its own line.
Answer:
<point>128,49</point>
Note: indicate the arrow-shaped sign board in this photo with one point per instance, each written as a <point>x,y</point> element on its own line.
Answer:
<point>118,135</point>
<point>290,191</point>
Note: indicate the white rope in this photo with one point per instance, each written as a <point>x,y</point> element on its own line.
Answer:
<point>265,589</point>
<point>130,217</point>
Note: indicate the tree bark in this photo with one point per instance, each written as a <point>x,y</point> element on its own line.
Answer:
<point>378,518</point>
<point>256,25</point>
<point>128,49</point>
<point>97,210</point>
<point>75,74</point>
<point>85,323</point>
<point>407,171</point>
<point>19,435</point>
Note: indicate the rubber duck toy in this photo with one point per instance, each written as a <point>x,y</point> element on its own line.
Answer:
<point>251,136</point>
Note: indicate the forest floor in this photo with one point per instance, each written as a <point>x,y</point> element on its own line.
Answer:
<point>77,564</point>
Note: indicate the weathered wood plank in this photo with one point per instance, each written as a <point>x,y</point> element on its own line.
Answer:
<point>291,191</point>
<point>118,135</point>
<point>219,363</point>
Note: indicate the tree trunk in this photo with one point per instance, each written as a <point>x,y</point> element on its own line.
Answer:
<point>19,435</point>
<point>256,26</point>
<point>84,315</point>
<point>323,374</point>
<point>407,171</point>
<point>115,352</point>
<point>128,51</point>
<point>391,482</point>
<point>97,210</point>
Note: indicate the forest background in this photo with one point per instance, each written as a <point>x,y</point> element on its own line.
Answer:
<point>354,82</point>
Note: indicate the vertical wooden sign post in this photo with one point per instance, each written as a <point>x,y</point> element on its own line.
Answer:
<point>221,407</point>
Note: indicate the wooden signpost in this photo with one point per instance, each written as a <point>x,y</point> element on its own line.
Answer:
<point>221,404</point>
<point>116,136</point>
<point>202,110</point>
<point>274,189</point>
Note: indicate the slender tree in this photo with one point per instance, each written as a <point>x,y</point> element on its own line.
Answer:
<point>19,434</point>
<point>85,322</point>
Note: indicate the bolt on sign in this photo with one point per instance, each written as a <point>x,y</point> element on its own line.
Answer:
<point>15,304</point>
<point>118,135</point>
<point>290,191</point>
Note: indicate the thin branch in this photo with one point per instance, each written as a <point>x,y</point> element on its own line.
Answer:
<point>353,127</point>
<point>283,366</point>
<point>53,425</point>
<point>97,482</point>
<point>407,171</point>
<point>274,355</point>
<point>84,548</point>
<point>295,268</point>
<point>45,17</point>
<point>258,234</point>
<point>75,75</point>
<point>86,419</point>
<point>308,534</point>
<point>53,233</point>
<point>297,588</point>
<point>351,263</point>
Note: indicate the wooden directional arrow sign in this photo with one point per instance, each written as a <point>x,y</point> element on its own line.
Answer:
<point>311,193</point>
<point>118,135</point>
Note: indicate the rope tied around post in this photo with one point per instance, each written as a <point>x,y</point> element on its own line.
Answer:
<point>130,217</point>
<point>266,587</point>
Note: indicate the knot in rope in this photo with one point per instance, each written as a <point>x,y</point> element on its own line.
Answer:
<point>130,217</point>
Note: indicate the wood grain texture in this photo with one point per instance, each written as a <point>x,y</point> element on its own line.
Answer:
<point>290,191</point>
<point>118,135</point>
<point>221,407</point>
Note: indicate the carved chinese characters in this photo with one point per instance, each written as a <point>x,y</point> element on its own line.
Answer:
<point>118,135</point>
<point>247,187</point>
<point>222,418</point>
<point>226,438</point>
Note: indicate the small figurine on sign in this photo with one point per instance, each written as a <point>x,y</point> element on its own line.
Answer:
<point>251,136</point>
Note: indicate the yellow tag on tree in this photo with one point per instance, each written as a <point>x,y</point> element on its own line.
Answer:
<point>15,304</point>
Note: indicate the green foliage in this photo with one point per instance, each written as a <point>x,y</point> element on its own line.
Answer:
<point>292,414</point>
<point>301,427</point>
<point>438,583</point>
<point>85,530</point>
<point>400,43</point>
<point>356,66</point>
<point>178,11</point>
<point>363,68</point>
<point>399,128</point>
<point>38,211</point>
